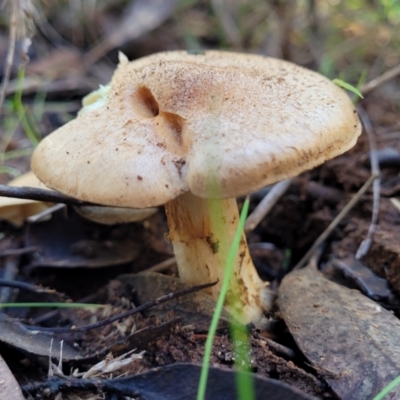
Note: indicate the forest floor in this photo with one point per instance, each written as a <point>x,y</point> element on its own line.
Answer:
<point>313,322</point>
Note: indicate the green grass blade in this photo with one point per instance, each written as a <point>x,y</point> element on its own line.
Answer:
<point>386,390</point>
<point>220,302</point>
<point>29,132</point>
<point>9,155</point>
<point>5,169</point>
<point>242,348</point>
<point>348,87</point>
<point>362,79</point>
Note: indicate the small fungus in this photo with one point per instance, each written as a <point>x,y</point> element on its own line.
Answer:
<point>228,124</point>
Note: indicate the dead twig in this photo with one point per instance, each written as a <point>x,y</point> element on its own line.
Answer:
<point>277,348</point>
<point>18,252</point>
<point>336,221</point>
<point>162,266</point>
<point>266,204</point>
<point>42,216</point>
<point>50,196</point>
<point>114,318</point>
<point>376,188</point>
<point>40,319</point>
<point>380,80</point>
<point>26,286</point>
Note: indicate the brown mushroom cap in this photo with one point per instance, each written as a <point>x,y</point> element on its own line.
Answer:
<point>175,122</point>
<point>16,210</point>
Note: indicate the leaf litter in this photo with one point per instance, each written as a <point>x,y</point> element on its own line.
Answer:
<point>347,337</point>
<point>297,219</point>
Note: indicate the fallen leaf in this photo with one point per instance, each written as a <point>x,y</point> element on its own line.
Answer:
<point>384,255</point>
<point>68,241</point>
<point>372,285</point>
<point>347,337</point>
<point>9,388</point>
<point>33,342</point>
<point>176,382</point>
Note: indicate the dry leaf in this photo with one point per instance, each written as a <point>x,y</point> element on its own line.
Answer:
<point>342,333</point>
<point>9,388</point>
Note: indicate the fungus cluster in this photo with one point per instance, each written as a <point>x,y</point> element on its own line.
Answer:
<point>193,132</point>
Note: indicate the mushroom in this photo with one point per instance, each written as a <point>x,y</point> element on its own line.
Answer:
<point>193,132</point>
<point>16,211</point>
<point>114,215</point>
<point>108,215</point>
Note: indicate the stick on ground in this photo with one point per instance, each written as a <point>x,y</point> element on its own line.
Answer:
<point>336,221</point>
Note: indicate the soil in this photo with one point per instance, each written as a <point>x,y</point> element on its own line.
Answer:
<point>304,212</point>
<point>277,244</point>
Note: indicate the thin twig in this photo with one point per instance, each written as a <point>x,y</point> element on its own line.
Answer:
<point>50,196</point>
<point>336,221</point>
<point>162,266</point>
<point>40,319</point>
<point>278,348</point>
<point>266,204</point>
<point>136,310</point>
<point>18,252</point>
<point>396,203</point>
<point>376,188</point>
<point>43,215</point>
<point>380,80</point>
<point>26,286</point>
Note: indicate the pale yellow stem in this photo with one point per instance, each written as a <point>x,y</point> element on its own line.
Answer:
<point>201,232</point>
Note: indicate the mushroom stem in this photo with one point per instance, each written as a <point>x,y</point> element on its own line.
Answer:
<point>201,232</point>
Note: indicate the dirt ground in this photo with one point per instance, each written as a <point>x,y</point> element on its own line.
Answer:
<point>86,262</point>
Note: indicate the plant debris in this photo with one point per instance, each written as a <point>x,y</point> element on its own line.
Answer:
<point>47,71</point>
<point>359,355</point>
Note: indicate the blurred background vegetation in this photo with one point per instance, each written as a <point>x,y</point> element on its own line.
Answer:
<point>74,47</point>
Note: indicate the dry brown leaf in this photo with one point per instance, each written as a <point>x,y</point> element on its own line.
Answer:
<point>9,388</point>
<point>32,342</point>
<point>346,336</point>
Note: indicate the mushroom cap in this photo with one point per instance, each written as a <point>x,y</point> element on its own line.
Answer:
<point>219,124</point>
<point>16,211</point>
<point>114,215</point>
